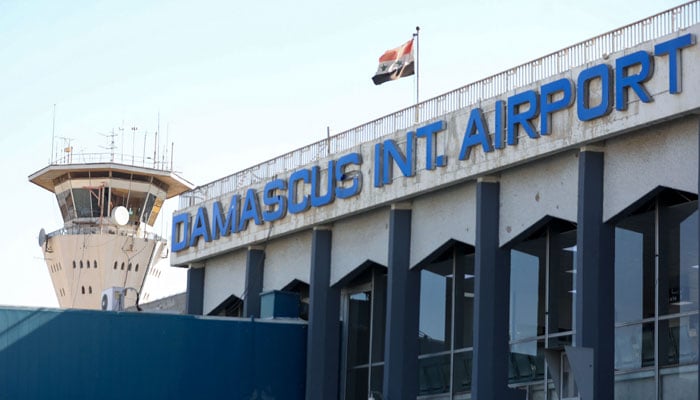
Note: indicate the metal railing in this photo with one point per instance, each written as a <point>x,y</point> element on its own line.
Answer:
<point>125,159</point>
<point>552,64</point>
<point>108,229</point>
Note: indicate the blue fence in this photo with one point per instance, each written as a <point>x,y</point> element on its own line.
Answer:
<point>78,354</point>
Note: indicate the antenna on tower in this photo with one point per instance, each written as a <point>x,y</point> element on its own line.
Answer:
<point>167,139</point>
<point>121,129</point>
<point>110,144</point>
<point>143,157</point>
<point>53,132</point>
<point>133,144</point>
<point>67,148</point>
<point>155,144</point>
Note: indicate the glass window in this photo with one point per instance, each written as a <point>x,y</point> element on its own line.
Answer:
<point>365,310</point>
<point>135,205</point>
<point>83,203</point>
<point>150,200</point>
<point>634,346</point>
<point>118,197</point>
<point>526,296</point>
<point>656,298</point>
<point>678,260</point>
<point>65,203</point>
<point>634,268</point>
<point>542,301</point>
<point>445,332</point>
<point>96,201</point>
<point>435,308</point>
<point>542,270</point>
<point>102,198</point>
<point>525,367</point>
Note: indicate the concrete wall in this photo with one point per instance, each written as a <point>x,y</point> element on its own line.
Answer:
<point>357,239</point>
<point>224,276</point>
<point>440,216</point>
<point>542,188</point>
<point>568,133</point>
<point>661,155</point>
<point>287,259</point>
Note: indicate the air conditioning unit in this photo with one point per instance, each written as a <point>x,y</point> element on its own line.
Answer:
<point>113,298</point>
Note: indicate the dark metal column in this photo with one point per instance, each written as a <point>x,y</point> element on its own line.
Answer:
<point>195,290</point>
<point>254,266</point>
<point>592,358</point>
<point>323,346</point>
<point>403,301</point>
<point>491,300</point>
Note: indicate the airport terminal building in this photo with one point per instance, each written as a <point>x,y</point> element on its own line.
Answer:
<point>533,235</point>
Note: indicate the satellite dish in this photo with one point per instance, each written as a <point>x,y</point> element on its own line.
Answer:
<point>42,237</point>
<point>120,215</point>
<point>105,302</point>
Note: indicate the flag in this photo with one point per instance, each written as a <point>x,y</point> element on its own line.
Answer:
<point>395,63</point>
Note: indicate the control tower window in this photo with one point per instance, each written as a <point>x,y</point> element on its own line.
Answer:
<point>118,198</point>
<point>135,206</point>
<point>101,196</point>
<point>65,203</point>
<point>83,202</point>
<point>149,208</point>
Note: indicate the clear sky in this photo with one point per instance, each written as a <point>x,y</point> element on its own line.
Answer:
<point>235,83</point>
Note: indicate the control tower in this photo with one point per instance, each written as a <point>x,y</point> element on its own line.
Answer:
<point>107,244</point>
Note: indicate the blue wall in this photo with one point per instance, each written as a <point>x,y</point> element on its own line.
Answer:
<point>78,354</point>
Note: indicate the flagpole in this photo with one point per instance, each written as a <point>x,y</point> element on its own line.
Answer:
<point>415,35</point>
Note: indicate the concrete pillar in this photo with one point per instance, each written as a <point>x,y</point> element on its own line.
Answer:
<point>403,302</point>
<point>195,290</point>
<point>323,346</point>
<point>595,283</point>
<point>491,300</point>
<point>254,266</point>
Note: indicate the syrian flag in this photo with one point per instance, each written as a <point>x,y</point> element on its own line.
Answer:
<point>395,63</point>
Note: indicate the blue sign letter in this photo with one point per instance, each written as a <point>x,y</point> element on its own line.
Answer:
<point>583,92</point>
<point>547,107</point>
<point>276,202</point>
<point>251,210</point>
<point>316,199</point>
<point>200,227</point>
<point>406,163</point>
<point>475,134</point>
<point>515,117</point>
<point>673,49</point>
<point>341,176</point>
<point>180,221</point>
<point>634,82</point>
<point>223,226</point>
<point>378,162</point>
<point>499,125</point>
<point>303,205</point>
<point>428,132</point>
